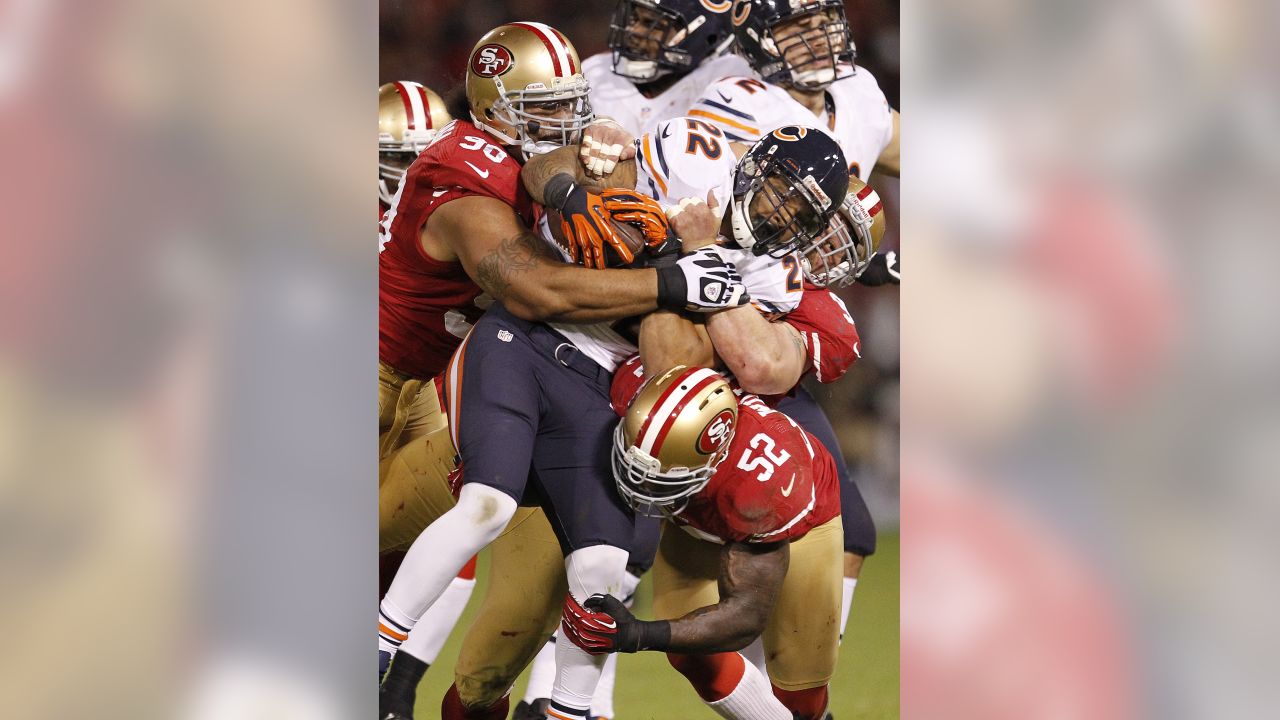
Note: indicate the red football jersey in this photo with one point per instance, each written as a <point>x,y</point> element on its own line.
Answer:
<point>425,306</point>
<point>777,482</point>
<point>828,331</point>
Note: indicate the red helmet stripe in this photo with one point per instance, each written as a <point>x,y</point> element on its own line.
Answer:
<point>426,106</point>
<point>408,105</point>
<point>875,209</point>
<point>550,41</point>
<point>573,69</point>
<point>675,413</point>
<point>864,192</point>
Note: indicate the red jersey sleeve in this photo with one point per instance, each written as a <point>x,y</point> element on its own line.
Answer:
<point>828,331</point>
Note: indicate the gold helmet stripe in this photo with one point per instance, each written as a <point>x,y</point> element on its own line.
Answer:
<point>669,406</point>
<point>556,45</point>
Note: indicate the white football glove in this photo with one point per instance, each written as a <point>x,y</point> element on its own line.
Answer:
<point>702,281</point>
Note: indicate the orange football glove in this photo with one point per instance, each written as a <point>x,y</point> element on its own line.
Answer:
<point>587,227</point>
<point>642,211</point>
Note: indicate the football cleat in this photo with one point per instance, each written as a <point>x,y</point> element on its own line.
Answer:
<point>535,711</point>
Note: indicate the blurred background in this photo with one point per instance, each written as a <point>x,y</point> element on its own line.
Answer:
<point>1089,408</point>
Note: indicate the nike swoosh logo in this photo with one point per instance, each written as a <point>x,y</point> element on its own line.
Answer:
<point>786,491</point>
<point>724,97</point>
<point>666,132</point>
<point>481,173</point>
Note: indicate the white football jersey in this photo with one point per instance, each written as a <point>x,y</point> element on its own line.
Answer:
<point>687,157</point>
<point>618,98</point>
<point>859,119</point>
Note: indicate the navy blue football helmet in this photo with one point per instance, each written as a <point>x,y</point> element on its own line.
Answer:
<point>805,44</point>
<point>785,190</point>
<point>655,38</point>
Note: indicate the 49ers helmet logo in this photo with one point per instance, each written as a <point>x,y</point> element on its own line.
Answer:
<point>716,432</point>
<point>491,60</point>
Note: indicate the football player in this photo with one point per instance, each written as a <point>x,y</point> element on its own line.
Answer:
<point>804,54</point>
<point>663,54</point>
<point>409,114</point>
<point>457,240</point>
<point>750,549</point>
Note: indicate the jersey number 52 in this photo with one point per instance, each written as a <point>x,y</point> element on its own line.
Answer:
<point>769,459</point>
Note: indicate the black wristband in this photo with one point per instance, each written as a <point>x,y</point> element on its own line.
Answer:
<point>556,191</point>
<point>673,290</point>
<point>654,635</point>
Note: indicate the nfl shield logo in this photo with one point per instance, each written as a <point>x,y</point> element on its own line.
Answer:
<point>505,335</point>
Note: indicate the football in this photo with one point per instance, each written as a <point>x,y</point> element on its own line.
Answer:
<point>630,234</point>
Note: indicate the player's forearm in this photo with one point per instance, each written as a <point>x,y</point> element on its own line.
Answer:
<point>766,358</point>
<point>724,627</point>
<point>564,161</point>
<point>567,293</point>
<point>668,339</point>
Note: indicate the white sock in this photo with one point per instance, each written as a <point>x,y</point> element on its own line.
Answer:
<point>752,699</point>
<point>435,558</point>
<point>591,570</point>
<point>542,674</point>
<point>754,653</point>
<point>846,601</point>
<point>435,625</point>
<point>602,701</point>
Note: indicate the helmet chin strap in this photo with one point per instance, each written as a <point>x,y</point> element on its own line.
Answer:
<point>739,221</point>
<point>643,70</point>
<point>814,78</point>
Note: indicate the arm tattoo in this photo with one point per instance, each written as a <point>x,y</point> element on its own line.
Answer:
<point>517,254</point>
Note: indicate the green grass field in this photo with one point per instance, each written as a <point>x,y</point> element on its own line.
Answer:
<point>865,686</point>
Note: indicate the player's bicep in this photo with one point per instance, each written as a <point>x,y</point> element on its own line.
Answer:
<point>752,573</point>
<point>494,246</point>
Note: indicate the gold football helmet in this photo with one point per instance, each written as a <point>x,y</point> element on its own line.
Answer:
<point>526,87</point>
<point>838,256</point>
<point>409,114</point>
<point>676,431</point>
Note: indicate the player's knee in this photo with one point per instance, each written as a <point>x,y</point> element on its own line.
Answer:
<point>808,704</point>
<point>596,569</point>
<point>484,687</point>
<point>712,676</point>
<point>485,510</point>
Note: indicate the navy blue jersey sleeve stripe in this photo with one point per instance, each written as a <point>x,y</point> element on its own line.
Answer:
<point>726,108</point>
<point>661,159</point>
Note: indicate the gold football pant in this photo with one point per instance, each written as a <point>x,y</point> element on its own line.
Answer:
<point>803,632</point>
<point>526,571</point>
<point>408,408</point>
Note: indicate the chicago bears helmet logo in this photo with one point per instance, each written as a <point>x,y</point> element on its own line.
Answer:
<point>491,60</point>
<point>741,9</point>
<point>790,133</point>
<point>716,432</point>
<point>716,7</point>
